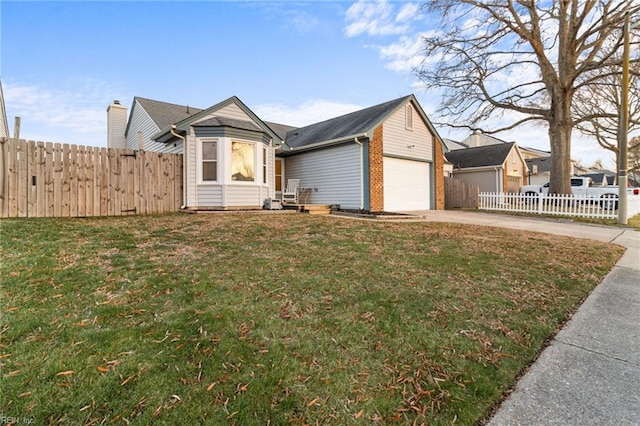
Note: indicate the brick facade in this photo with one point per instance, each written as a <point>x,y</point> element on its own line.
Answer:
<point>376,174</point>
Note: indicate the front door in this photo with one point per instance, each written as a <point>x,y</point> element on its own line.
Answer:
<point>279,175</point>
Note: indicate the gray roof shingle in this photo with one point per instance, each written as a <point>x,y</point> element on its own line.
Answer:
<point>542,164</point>
<point>165,114</point>
<point>221,121</point>
<point>342,127</point>
<point>481,156</point>
<point>279,129</point>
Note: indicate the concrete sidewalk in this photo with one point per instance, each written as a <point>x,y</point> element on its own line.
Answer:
<point>590,373</point>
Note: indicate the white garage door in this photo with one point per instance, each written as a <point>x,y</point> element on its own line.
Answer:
<point>406,185</point>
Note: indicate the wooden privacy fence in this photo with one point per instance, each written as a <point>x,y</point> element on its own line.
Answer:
<point>460,193</point>
<point>39,179</point>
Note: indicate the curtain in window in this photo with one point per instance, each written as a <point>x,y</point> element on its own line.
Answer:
<point>242,161</point>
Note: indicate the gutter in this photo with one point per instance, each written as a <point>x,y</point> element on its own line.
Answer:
<point>184,160</point>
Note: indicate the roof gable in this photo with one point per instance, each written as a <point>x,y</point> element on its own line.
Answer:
<point>481,156</point>
<point>194,119</point>
<point>345,126</point>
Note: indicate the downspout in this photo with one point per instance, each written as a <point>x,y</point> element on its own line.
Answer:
<point>184,162</point>
<point>355,139</point>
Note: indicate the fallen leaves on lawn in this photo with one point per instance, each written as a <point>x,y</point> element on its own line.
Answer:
<point>167,404</point>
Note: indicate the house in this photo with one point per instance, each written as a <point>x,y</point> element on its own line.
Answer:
<point>384,158</point>
<point>539,170</point>
<point>495,168</point>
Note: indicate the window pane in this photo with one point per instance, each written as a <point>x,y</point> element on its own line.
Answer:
<point>210,171</point>
<point>242,161</point>
<point>264,165</point>
<point>209,151</point>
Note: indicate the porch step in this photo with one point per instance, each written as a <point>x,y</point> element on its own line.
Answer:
<point>314,208</point>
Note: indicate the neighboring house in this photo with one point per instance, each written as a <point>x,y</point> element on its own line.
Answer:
<point>384,158</point>
<point>452,145</point>
<point>495,168</point>
<point>4,124</point>
<point>539,170</point>
<point>531,153</point>
<point>602,178</point>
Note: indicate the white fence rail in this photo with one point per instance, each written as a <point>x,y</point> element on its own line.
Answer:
<point>557,205</point>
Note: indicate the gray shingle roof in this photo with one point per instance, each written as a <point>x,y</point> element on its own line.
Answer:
<point>542,164</point>
<point>279,129</point>
<point>344,126</point>
<point>221,121</point>
<point>481,156</point>
<point>165,114</point>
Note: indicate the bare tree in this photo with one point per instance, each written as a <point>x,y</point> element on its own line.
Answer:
<point>527,57</point>
<point>634,158</point>
<point>597,105</point>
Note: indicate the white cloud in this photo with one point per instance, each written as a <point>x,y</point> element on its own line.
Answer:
<point>408,12</point>
<point>309,112</point>
<point>404,55</point>
<point>302,22</point>
<point>74,114</point>
<point>379,18</point>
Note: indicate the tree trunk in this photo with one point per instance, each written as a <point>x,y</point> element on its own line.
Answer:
<point>560,141</point>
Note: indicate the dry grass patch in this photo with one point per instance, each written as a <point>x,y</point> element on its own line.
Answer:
<point>250,319</point>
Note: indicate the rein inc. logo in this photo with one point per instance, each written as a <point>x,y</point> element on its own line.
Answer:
<point>10,420</point>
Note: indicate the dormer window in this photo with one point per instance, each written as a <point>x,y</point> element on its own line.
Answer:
<point>408,117</point>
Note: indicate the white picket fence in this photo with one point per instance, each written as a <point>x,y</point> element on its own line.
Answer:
<point>557,205</point>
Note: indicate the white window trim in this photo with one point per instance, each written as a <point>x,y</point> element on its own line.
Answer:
<point>199,159</point>
<point>265,165</point>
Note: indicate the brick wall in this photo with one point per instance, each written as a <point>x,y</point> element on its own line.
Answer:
<point>376,175</point>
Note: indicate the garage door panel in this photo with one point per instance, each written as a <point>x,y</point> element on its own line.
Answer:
<point>406,185</point>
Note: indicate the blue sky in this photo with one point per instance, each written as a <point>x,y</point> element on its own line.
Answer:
<point>291,62</point>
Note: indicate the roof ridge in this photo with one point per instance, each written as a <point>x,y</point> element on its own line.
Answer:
<point>166,103</point>
<point>357,111</point>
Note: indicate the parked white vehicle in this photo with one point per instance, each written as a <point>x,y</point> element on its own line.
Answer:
<point>581,187</point>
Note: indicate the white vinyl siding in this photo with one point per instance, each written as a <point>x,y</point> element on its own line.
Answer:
<point>407,185</point>
<point>232,111</point>
<point>140,121</point>
<point>209,196</point>
<point>221,196</point>
<point>335,172</point>
<point>398,141</point>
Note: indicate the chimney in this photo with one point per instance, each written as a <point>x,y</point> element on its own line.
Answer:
<point>116,125</point>
<point>477,134</point>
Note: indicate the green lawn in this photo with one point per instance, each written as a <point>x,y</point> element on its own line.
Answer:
<point>276,319</point>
